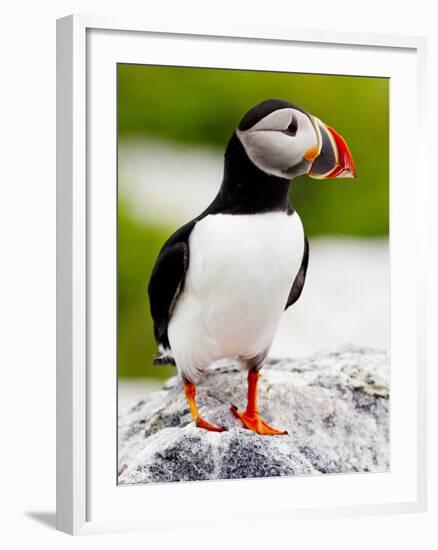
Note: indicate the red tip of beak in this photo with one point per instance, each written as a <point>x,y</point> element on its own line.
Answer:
<point>345,167</point>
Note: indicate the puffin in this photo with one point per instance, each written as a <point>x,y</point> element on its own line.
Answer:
<point>222,281</point>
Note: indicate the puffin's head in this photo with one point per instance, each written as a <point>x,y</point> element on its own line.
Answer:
<point>283,140</point>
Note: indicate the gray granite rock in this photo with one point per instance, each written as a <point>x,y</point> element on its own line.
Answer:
<point>335,406</point>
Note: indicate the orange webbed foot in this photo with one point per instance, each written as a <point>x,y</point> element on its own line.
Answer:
<point>201,423</point>
<point>253,422</point>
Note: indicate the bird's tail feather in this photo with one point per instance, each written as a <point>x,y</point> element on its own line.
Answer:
<point>164,357</point>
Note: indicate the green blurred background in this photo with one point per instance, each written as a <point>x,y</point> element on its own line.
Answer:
<point>202,107</point>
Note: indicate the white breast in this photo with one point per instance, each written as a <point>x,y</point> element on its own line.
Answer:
<point>241,270</point>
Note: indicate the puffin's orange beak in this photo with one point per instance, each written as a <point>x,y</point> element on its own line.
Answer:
<point>333,159</point>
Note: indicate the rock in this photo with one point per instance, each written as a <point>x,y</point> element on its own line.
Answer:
<point>335,406</point>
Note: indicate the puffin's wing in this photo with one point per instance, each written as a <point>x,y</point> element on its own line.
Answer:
<point>298,283</point>
<point>166,283</point>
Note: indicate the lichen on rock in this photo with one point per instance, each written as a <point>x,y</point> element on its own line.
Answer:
<point>335,406</point>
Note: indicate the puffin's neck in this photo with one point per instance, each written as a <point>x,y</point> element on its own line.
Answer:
<point>245,188</point>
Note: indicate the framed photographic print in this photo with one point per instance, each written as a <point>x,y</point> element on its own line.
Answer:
<point>241,297</point>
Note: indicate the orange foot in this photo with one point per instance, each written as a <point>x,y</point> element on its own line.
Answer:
<point>254,423</point>
<point>201,423</point>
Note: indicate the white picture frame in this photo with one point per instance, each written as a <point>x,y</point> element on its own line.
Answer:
<point>88,499</point>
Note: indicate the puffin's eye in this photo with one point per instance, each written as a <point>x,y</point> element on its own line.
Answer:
<point>292,129</point>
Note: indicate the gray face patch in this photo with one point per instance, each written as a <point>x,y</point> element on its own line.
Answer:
<point>274,148</point>
<point>299,169</point>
